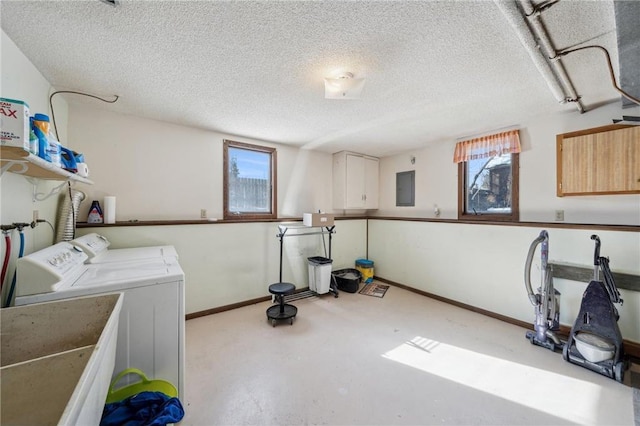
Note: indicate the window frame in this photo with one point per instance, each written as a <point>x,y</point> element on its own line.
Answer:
<point>514,216</point>
<point>228,215</point>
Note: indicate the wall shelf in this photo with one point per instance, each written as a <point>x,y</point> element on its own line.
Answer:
<point>19,161</point>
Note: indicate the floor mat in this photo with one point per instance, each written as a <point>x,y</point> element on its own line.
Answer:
<point>375,290</point>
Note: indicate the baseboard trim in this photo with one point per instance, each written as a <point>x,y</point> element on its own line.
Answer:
<point>630,348</point>
<point>226,308</point>
<point>233,306</point>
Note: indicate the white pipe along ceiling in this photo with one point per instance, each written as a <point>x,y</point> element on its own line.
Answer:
<point>536,40</point>
<point>627,15</point>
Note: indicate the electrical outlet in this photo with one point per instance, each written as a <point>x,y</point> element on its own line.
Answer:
<point>559,215</point>
<point>35,216</point>
<point>203,213</point>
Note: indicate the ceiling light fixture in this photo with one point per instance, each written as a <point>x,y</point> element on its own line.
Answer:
<point>343,86</point>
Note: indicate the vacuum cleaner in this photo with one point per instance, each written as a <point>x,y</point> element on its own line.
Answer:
<point>595,341</point>
<point>546,301</point>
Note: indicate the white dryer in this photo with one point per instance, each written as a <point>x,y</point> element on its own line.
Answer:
<point>96,247</point>
<point>151,333</point>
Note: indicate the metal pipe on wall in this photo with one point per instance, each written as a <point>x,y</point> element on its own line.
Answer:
<point>533,36</point>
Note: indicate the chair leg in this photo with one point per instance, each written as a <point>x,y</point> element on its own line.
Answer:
<point>281,297</point>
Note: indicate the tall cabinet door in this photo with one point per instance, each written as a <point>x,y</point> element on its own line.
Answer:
<point>355,182</point>
<point>370,183</point>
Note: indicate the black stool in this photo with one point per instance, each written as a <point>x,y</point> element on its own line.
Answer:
<point>281,311</point>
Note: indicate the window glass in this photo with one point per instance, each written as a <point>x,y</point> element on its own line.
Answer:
<point>249,180</point>
<point>489,185</point>
<point>490,189</point>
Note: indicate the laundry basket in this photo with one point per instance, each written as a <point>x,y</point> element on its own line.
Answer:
<point>347,279</point>
<point>145,385</point>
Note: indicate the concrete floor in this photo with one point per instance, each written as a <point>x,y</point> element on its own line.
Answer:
<point>401,359</point>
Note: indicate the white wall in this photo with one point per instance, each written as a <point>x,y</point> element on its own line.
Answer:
<point>436,176</point>
<point>22,81</point>
<point>483,265</point>
<point>226,263</point>
<point>162,171</point>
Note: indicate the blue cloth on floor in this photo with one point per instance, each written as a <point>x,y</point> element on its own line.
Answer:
<point>145,408</point>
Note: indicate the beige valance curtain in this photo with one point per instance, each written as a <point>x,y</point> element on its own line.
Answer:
<point>487,146</point>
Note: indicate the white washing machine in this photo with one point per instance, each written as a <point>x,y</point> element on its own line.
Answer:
<point>151,333</point>
<point>96,246</point>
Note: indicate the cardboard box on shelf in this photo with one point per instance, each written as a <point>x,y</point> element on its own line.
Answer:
<point>14,123</point>
<point>317,219</point>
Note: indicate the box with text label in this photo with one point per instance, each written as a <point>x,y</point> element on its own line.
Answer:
<point>317,219</point>
<point>14,123</point>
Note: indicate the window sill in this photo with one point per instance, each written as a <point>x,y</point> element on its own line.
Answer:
<point>482,217</point>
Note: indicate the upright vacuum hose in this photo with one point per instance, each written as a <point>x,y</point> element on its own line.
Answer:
<point>533,298</point>
<point>546,301</point>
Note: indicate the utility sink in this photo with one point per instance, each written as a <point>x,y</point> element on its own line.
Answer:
<point>57,360</point>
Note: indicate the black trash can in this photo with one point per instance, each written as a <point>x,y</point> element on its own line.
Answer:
<point>348,279</point>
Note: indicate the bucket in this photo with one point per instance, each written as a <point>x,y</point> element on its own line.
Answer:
<point>365,266</point>
<point>145,385</point>
<point>347,279</point>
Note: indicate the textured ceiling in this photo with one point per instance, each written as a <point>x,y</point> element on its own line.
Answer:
<point>434,71</point>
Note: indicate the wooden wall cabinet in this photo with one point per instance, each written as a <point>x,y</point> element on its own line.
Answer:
<point>355,181</point>
<point>599,161</point>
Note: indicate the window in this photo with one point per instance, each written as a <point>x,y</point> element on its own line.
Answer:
<point>488,177</point>
<point>249,181</point>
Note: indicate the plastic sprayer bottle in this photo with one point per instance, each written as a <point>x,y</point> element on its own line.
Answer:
<point>95,213</point>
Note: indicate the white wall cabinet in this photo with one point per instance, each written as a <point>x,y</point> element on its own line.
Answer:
<point>355,181</point>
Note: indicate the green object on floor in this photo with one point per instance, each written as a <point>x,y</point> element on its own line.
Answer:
<point>145,385</point>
